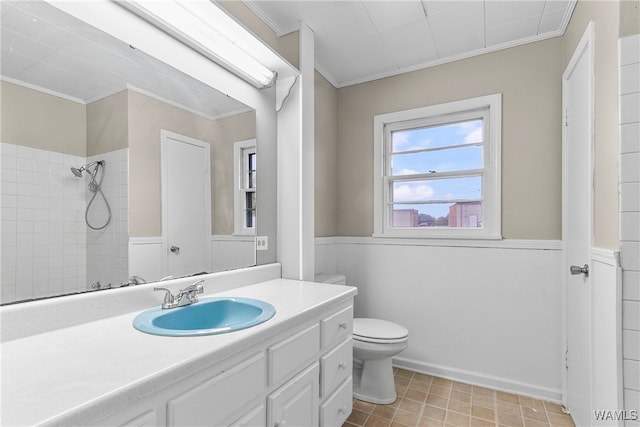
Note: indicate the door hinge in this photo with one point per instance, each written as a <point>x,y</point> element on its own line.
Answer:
<point>566,117</point>
<point>566,357</point>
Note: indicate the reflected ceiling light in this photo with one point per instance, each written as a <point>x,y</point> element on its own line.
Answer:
<point>205,27</point>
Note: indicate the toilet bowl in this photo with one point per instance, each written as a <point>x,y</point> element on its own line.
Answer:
<point>375,342</point>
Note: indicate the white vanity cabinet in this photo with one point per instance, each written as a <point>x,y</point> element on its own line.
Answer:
<point>299,377</point>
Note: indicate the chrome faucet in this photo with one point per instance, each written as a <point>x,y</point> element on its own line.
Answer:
<point>185,296</point>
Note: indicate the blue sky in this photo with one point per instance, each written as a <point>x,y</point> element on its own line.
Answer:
<point>446,160</point>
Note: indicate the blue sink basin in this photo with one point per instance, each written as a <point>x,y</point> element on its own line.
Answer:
<point>209,316</point>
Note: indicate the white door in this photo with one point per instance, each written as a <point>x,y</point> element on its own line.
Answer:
<point>186,204</point>
<point>577,228</point>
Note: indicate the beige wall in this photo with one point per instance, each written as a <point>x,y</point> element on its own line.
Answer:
<point>38,120</point>
<point>606,16</point>
<point>107,124</point>
<point>147,116</point>
<point>326,154</point>
<point>629,17</point>
<point>529,79</point>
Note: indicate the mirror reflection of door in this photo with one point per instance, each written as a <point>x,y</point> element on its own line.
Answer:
<point>186,204</point>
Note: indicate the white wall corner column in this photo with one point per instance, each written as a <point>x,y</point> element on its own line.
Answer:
<point>296,166</point>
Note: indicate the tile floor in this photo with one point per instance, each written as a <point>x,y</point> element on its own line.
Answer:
<point>426,401</point>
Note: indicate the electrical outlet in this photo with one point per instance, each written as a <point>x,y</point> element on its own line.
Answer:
<point>262,243</point>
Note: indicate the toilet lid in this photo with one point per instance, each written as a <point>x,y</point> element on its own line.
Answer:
<point>378,330</point>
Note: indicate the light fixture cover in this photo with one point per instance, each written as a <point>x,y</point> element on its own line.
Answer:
<point>205,27</point>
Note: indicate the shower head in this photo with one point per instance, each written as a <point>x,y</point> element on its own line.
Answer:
<point>78,171</point>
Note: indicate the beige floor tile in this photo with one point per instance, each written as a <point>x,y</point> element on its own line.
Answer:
<point>429,422</point>
<point>534,414</point>
<point>460,395</point>
<point>403,373</point>
<point>528,422</point>
<point>358,417</point>
<point>406,418</point>
<point>462,387</point>
<point>484,401</point>
<point>438,401</point>
<point>440,390</point>
<point>553,408</point>
<point>560,420</point>
<point>442,382</point>
<point>506,397</point>
<point>459,406</point>
<point>384,411</point>
<point>510,420</point>
<point>530,402</point>
<point>477,422</point>
<point>455,419</point>
<point>375,421</point>
<point>482,412</point>
<point>417,395</point>
<point>410,406</point>
<point>363,406</point>
<point>434,413</point>
<point>481,391</point>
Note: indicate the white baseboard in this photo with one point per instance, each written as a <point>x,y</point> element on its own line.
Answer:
<point>482,380</point>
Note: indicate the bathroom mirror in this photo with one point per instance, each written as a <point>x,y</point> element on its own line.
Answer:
<point>88,124</point>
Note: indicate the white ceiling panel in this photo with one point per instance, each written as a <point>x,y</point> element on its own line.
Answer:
<point>467,18</point>
<point>387,15</point>
<point>501,12</point>
<point>513,30</point>
<point>406,54</point>
<point>551,21</point>
<point>452,30</point>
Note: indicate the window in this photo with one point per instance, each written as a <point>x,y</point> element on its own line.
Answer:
<point>439,170</point>
<point>245,179</point>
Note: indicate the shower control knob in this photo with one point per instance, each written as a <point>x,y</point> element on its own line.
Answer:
<point>175,249</point>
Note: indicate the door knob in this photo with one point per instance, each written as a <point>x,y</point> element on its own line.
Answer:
<point>175,249</point>
<point>576,269</point>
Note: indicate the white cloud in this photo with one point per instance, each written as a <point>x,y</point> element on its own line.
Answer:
<point>474,136</point>
<point>412,193</point>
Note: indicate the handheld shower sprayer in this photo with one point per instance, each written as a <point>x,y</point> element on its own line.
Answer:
<point>94,187</point>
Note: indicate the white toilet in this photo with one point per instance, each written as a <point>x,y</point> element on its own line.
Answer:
<point>375,342</point>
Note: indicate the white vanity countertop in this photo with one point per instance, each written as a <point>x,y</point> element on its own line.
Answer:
<point>81,373</point>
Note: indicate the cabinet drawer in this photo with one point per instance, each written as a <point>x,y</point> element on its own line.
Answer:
<point>336,409</point>
<point>337,326</point>
<point>219,397</point>
<point>291,355</point>
<point>336,366</point>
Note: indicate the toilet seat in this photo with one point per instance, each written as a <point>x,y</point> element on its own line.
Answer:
<point>378,331</point>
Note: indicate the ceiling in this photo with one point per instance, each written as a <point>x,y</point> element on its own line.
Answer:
<point>45,48</point>
<point>358,41</point>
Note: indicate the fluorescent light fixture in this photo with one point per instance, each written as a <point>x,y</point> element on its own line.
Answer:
<point>206,28</point>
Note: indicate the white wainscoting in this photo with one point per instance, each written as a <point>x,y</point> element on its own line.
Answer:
<point>227,253</point>
<point>232,252</point>
<point>482,312</point>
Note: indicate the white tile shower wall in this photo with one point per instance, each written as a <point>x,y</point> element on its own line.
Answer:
<point>107,248</point>
<point>43,233</point>
<point>629,64</point>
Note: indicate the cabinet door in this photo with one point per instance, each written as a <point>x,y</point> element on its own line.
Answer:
<point>296,402</point>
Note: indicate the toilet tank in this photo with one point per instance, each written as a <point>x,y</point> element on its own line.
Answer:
<point>334,278</point>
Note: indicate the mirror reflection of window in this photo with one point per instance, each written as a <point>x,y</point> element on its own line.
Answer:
<point>245,197</point>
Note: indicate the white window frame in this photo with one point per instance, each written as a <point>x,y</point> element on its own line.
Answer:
<point>241,150</point>
<point>491,172</point>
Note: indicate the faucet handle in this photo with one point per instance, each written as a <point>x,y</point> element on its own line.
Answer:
<point>196,287</point>
<point>169,299</point>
